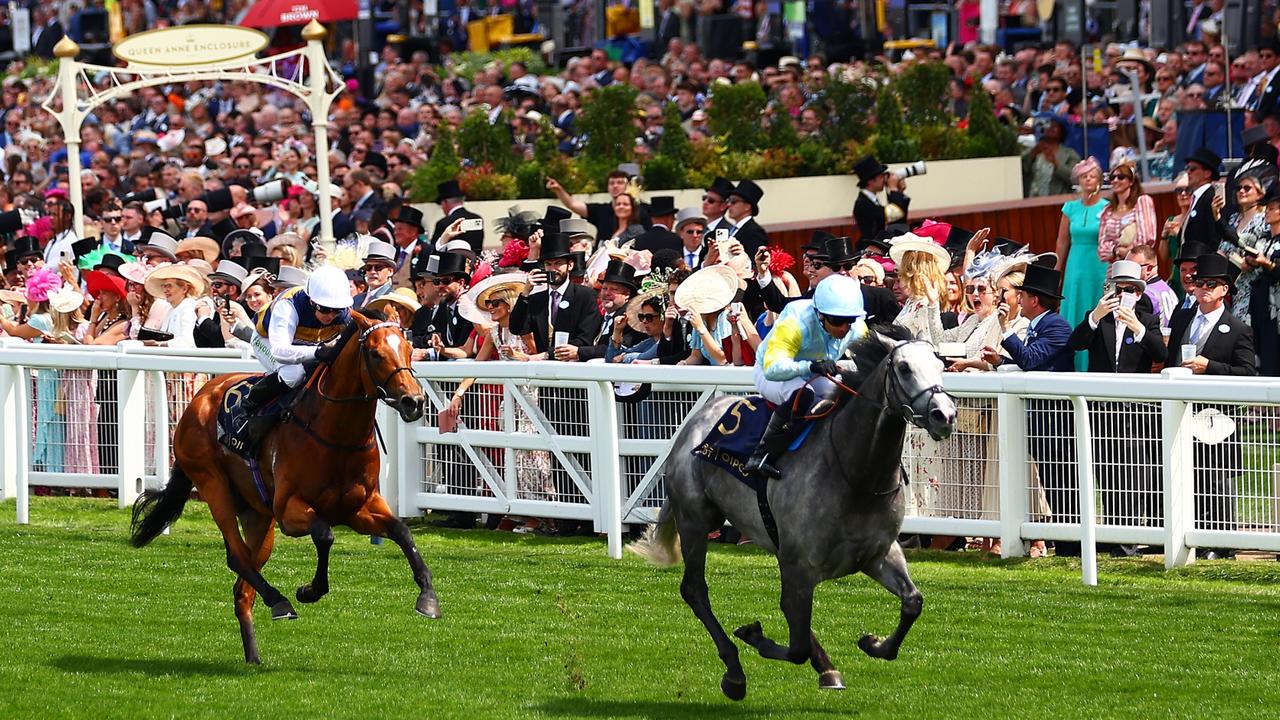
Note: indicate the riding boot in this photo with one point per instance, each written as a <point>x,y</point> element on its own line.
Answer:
<point>264,391</point>
<point>778,435</point>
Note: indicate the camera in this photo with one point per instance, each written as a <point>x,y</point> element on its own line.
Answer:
<point>916,168</point>
<point>155,204</point>
<point>273,191</point>
<point>145,196</point>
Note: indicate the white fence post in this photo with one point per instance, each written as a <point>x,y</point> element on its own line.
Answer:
<point>1179,482</point>
<point>606,466</point>
<point>22,456</point>
<point>1011,416</point>
<point>1088,499</point>
<point>9,440</point>
<point>388,430</point>
<point>131,396</point>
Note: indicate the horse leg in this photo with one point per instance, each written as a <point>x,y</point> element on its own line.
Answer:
<point>322,536</point>
<point>375,518</point>
<point>693,588</point>
<point>259,535</point>
<point>239,558</point>
<point>892,573</point>
<point>829,678</point>
<point>797,608</point>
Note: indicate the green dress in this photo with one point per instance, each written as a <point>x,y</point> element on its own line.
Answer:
<point>1085,272</point>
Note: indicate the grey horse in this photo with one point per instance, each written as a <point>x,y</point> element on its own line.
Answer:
<point>838,506</point>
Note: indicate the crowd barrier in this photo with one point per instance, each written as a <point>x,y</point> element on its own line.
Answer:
<point>1170,460</point>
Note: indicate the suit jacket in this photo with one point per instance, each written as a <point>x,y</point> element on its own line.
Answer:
<point>579,315</point>
<point>659,238</point>
<point>1045,348</point>
<point>422,327</point>
<point>600,345</point>
<point>1268,97</point>
<point>373,202</point>
<point>1228,348</point>
<point>48,35</point>
<point>475,237</point>
<point>369,296</point>
<point>1135,356</point>
<point>668,27</point>
<point>452,328</point>
<point>869,215</point>
<point>1200,225</point>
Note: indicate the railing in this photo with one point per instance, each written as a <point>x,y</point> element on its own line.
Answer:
<point>1173,460</point>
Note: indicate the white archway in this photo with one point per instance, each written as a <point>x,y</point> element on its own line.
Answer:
<point>74,96</point>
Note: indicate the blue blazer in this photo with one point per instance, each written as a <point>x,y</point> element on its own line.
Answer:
<point>1045,348</point>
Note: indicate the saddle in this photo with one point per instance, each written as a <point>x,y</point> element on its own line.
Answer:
<point>232,418</point>
<point>730,442</point>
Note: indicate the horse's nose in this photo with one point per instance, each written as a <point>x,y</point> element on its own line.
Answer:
<point>412,407</point>
<point>942,420</point>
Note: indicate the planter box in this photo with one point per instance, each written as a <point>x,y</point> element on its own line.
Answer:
<point>948,184</point>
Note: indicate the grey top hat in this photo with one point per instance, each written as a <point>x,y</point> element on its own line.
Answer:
<point>382,251</point>
<point>576,227</point>
<point>688,215</point>
<point>290,276</point>
<point>230,271</point>
<point>163,244</point>
<point>1127,271</point>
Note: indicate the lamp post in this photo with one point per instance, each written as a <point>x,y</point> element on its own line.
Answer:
<point>318,102</point>
<point>66,51</point>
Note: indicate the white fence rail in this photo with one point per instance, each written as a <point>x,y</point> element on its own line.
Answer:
<point>1173,460</point>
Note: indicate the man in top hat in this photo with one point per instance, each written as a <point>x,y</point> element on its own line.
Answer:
<point>1201,225</point>
<point>739,219</point>
<point>1121,334</point>
<point>581,235</point>
<point>407,231</point>
<point>715,201</point>
<point>868,213</point>
<point>27,256</point>
<point>449,329</point>
<point>557,305</point>
<point>662,209</point>
<point>617,286</point>
<point>691,227</point>
<point>159,248</point>
<point>451,198</point>
<point>379,271</point>
<point>424,286</point>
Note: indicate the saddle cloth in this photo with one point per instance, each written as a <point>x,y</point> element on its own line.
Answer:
<point>734,437</point>
<point>232,418</point>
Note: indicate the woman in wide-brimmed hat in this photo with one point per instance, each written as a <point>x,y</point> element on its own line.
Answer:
<point>399,305</point>
<point>145,309</point>
<point>109,314</point>
<point>706,296</point>
<point>290,247</point>
<point>181,286</point>
<point>922,266</point>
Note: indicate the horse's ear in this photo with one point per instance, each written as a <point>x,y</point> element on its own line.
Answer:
<point>887,341</point>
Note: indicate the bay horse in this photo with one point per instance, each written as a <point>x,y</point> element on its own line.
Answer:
<point>319,468</point>
<point>838,507</point>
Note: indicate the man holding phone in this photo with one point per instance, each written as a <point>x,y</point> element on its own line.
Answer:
<point>1201,225</point>
<point>1121,334</point>
<point>559,309</point>
<point>451,198</point>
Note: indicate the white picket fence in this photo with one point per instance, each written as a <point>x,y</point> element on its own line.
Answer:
<point>550,440</point>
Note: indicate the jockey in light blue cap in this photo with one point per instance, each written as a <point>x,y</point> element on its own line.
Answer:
<point>805,343</point>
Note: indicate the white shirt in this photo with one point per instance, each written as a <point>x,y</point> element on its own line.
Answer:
<point>181,323</point>
<point>280,333</point>
<point>59,245</point>
<point>1120,330</point>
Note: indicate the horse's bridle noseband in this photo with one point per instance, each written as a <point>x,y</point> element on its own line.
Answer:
<point>380,389</point>
<point>907,409</point>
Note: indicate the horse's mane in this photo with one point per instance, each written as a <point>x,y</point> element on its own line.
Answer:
<point>352,327</point>
<point>869,351</point>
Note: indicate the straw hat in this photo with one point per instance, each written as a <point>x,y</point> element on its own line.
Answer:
<point>404,297</point>
<point>206,247</point>
<point>1136,55</point>
<point>135,272</point>
<point>66,299</point>
<point>253,276</point>
<point>12,297</point>
<point>472,305</point>
<point>903,244</point>
<point>186,273</point>
<point>708,290</point>
<point>293,240</point>
<point>633,307</point>
<point>204,268</point>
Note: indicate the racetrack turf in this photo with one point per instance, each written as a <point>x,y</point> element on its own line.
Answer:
<point>552,628</point>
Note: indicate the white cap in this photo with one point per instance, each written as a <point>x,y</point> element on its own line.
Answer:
<point>328,287</point>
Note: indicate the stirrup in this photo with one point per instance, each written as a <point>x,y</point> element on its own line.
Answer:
<point>763,468</point>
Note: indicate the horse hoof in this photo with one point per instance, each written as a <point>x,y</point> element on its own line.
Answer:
<point>733,688</point>
<point>253,660</point>
<point>872,646</point>
<point>750,634</point>
<point>309,594</point>
<point>428,606</point>
<point>831,680</point>
<point>283,610</point>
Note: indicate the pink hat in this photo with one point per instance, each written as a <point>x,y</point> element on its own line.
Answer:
<point>57,192</point>
<point>42,282</point>
<point>135,272</point>
<point>935,231</point>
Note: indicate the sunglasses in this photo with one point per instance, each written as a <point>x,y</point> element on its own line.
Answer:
<point>218,285</point>
<point>322,310</point>
<point>1119,176</point>
<point>111,218</point>
<point>493,304</point>
<point>375,268</point>
<point>837,321</point>
<point>977,289</point>
<point>1182,191</point>
<point>692,231</point>
<point>246,166</point>
<point>1129,290</point>
<point>647,317</point>
<point>1208,284</point>
<point>30,260</point>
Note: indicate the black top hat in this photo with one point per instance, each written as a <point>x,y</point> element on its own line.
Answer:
<point>10,261</point>
<point>869,168</point>
<point>245,236</point>
<point>1214,266</point>
<point>1271,195</point>
<point>839,250</point>
<point>958,237</point>
<point>110,261</point>
<point>427,267</point>
<point>721,187</point>
<point>621,273</point>
<point>1191,252</point>
<point>449,189</point>
<point>1208,158</point>
<point>80,248</point>
<point>26,246</point>
<point>751,192</point>
<point>579,264</point>
<point>661,205</point>
<point>880,241</point>
<point>253,249</point>
<point>10,221</point>
<point>555,245</point>
<point>376,159</point>
<point>270,264</point>
<point>818,241</point>
<point>552,216</point>
<point>1043,281</point>
<point>410,215</point>
<point>454,263</point>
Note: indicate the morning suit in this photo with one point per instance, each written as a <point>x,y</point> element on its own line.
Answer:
<point>869,214</point>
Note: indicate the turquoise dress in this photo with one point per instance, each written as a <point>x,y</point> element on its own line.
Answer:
<point>1085,273</point>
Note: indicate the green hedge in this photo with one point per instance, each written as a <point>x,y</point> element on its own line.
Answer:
<point>899,119</point>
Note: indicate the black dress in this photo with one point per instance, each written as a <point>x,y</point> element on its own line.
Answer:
<point>1266,333</point>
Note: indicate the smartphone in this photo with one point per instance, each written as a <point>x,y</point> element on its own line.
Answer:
<point>471,224</point>
<point>736,309</point>
<point>722,235</point>
<point>1220,189</point>
<point>1129,300</point>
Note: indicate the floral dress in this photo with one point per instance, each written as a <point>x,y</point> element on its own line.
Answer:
<point>533,467</point>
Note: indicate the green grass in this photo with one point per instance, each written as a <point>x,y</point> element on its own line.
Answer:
<point>540,628</point>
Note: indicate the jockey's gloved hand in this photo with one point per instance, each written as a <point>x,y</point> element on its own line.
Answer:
<point>824,367</point>
<point>327,353</point>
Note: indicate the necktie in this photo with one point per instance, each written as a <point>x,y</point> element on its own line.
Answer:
<point>691,259</point>
<point>1197,330</point>
<point>555,306</point>
<point>1188,301</point>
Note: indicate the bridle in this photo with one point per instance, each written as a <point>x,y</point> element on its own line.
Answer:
<point>380,389</point>
<point>907,409</point>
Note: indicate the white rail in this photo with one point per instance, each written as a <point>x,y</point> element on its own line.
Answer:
<point>1121,458</point>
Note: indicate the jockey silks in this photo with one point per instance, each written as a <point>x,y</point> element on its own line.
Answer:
<point>310,330</point>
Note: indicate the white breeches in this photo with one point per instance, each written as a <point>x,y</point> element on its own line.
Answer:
<point>777,392</point>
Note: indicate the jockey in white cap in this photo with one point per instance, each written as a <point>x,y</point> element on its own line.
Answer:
<point>297,325</point>
<point>795,358</point>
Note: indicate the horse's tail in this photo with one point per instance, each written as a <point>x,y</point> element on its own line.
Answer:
<point>154,510</point>
<point>660,543</point>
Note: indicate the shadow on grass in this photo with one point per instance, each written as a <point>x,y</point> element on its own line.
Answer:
<point>601,708</point>
<point>154,667</point>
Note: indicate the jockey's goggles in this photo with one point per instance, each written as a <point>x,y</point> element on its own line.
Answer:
<point>838,320</point>
<point>327,310</point>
